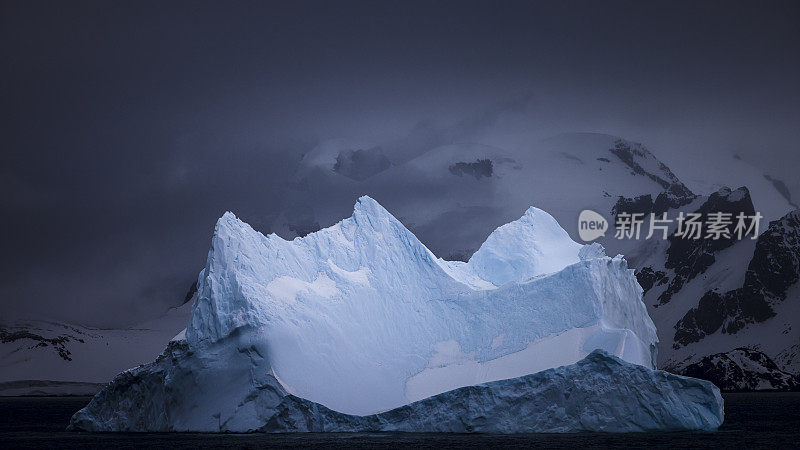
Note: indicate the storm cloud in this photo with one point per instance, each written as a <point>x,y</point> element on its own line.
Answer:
<point>130,127</point>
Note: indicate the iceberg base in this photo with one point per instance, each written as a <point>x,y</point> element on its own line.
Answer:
<point>599,393</point>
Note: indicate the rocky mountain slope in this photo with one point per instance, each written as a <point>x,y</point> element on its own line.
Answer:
<point>52,358</point>
<point>727,310</point>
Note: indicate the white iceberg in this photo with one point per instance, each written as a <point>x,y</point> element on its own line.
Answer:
<point>598,393</point>
<point>361,318</point>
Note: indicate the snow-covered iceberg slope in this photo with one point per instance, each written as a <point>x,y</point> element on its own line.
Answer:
<point>599,393</point>
<point>362,318</point>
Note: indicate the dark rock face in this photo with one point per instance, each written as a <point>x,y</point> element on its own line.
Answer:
<point>742,369</point>
<point>644,204</point>
<point>691,257</point>
<point>477,169</point>
<point>706,318</point>
<point>190,293</point>
<point>780,186</point>
<point>647,278</point>
<point>361,164</point>
<point>631,154</point>
<point>775,267</point>
<point>58,343</point>
<point>674,197</point>
<point>571,156</point>
<point>776,260</point>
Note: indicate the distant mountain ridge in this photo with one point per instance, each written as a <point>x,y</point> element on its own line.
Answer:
<point>51,358</point>
<point>726,310</point>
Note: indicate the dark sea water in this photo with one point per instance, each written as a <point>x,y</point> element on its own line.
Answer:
<point>762,420</point>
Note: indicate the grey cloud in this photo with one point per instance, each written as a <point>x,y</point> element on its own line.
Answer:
<point>130,127</point>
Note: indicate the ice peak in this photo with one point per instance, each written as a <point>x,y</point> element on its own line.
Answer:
<point>532,245</point>
<point>367,206</point>
<point>230,233</point>
<point>227,219</point>
<point>371,217</point>
<point>537,221</point>
<point>229,222</point>
<point>533,213</point>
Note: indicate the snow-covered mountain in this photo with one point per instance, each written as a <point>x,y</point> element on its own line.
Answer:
<point>727,310</point>
<point>453,195</point>
<point>361,318</point>
<point>52,358</point>
<point>706,174</point>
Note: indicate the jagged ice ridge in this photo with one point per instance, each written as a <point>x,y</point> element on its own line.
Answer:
<point>360,319</point>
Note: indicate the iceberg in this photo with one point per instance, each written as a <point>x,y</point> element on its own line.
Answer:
<point>360,327</point>
<point>600,393</point>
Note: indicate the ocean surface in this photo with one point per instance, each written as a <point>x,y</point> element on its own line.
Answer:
<point>752,420</point>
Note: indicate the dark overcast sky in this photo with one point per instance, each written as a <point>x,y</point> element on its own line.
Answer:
<point>129,127</point>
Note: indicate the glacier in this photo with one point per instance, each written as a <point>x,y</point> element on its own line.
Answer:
<point>358,322</point>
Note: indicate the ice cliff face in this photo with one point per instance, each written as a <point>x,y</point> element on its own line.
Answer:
<point>361,318</point>
<point>599,393</point>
